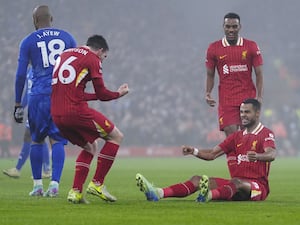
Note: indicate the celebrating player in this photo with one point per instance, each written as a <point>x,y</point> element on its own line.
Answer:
<point>234,57</point>
<point>254,148</point>
<point>41,48</point>
<point>80,124</point>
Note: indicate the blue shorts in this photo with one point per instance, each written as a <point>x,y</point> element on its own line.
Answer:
<point>40,121</point>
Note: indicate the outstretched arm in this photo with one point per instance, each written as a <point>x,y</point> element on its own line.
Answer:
<point>103,94</point>
<point>205,154</point>
<point>123,90</point>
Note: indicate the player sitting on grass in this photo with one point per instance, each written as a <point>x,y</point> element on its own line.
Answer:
<point>254,148</point>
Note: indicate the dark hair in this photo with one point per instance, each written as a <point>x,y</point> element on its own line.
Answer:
<point>97,42</point>
<point>232,15</point>
<point>256,104</point>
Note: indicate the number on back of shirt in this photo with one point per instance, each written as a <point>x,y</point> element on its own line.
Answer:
<point>66,72</point>
<point>55,48</point>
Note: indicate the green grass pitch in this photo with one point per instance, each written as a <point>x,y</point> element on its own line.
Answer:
<point>281,207</point>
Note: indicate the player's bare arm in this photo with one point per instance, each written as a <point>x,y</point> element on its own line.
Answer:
<point>205,154</point>
<point>268,156</point>
<point>209,86</point>
<point>259,83</point>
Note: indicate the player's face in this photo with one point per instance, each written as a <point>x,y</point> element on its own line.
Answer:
<point>231,29</point>
<point>102,54</point>
<point>248,115</point>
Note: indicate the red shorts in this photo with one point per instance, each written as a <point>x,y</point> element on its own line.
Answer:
<point>86,126</point>
<point>229,115</point>
<point>259,191</point>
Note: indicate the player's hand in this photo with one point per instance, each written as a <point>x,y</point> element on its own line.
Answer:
<point>187,150</point>
<point>260,99</point>
<point>209,100</point>
<point>252,156</point>
<point>19,114</point>
<point>123,89</point>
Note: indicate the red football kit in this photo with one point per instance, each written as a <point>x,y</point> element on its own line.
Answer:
<point>69,108</point>
<point>234,64</point>
<point>255,172</point>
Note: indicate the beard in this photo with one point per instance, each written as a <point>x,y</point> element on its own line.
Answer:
<point>249,124</point>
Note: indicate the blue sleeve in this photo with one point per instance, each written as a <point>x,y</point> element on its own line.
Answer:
<point>24,101</point>
<point>21,73</point>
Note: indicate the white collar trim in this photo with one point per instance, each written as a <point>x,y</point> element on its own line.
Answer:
<point>239,42</point>
<point>257,129</point>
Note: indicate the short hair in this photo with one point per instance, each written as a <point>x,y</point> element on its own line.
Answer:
<point>232,15</point>
<point>97,42</point>
<point>254,102</point>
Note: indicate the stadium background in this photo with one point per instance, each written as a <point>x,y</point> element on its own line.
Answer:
<point>158,47</point>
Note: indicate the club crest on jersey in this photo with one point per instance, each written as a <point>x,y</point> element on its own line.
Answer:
<point>107,124</point>
<point>244,55</point>
<point>254,143</point>
<point>221,121</point>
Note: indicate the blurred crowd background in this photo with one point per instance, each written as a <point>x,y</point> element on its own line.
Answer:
<point>158,48</point>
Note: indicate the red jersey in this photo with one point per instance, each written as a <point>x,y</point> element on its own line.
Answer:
<point>234,64</point>
<point>241,142</point>
<point>73,69</point>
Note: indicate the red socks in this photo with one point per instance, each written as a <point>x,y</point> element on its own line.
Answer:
<point>106,158</point>
<point>224,192</point>
<point>82,167</point>
<point>179,190</point>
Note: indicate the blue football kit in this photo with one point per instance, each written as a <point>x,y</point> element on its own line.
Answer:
<point>40,49</point>
<point>25,150</point>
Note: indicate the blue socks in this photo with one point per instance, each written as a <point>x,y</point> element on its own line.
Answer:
<point>36,160</point>
<point>23,155</point>
<point>46,160</point>
<point>58,159</point>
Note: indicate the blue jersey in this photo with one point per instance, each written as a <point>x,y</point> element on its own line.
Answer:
<point>40,49</point>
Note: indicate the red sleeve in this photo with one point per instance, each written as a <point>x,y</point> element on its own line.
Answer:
<point>210,61</point>
<point>90,96</point>
<point>102,93</point>
<point>257,57</point>
<point>269,140</point>
<point>228,144</point>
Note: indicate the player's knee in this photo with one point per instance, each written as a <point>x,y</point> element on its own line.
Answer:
<point>117,136</point>
<point>91,147</point>
<point>195,180</point>
<point>239,184</point>
<point>121,136</point>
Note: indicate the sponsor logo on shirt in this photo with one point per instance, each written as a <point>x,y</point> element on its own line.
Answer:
<point>225,69</point>
<point>242,158</point>
<point>234,68</point>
